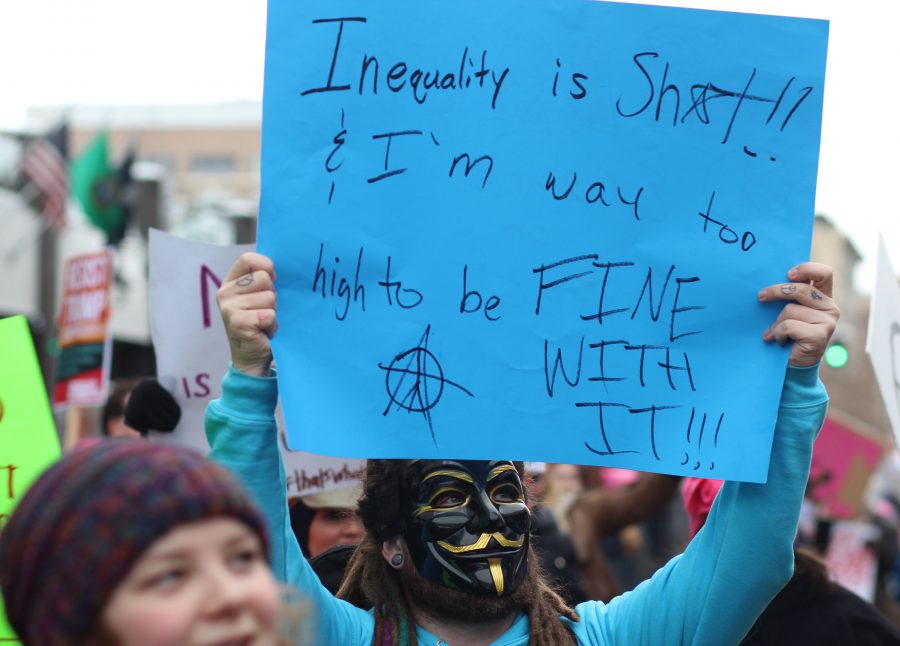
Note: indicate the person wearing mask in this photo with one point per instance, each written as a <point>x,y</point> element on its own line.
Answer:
<point>447,555</point>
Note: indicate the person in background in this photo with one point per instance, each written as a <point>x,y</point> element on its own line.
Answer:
<point>323,520</point>
<point>563,483</point>
<point>137,406</point>
<point>328,529</point>
<point>560,485</point>
<point>604,512</point>
<point>139,544</point>
<point>811,608</point>
<point>112,423</point>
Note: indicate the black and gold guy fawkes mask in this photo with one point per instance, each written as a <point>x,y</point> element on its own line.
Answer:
<point>469,524</point>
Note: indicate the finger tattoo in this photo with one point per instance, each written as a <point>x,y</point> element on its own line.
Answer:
<point>790,288</point>
<point>245,281</point>
<point>816,296</point>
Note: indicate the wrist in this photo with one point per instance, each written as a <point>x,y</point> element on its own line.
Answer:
<point>254,369</point>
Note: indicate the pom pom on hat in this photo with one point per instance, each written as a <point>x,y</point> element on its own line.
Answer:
<point>152,408</point>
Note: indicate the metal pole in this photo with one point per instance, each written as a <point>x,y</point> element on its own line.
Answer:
<point>47,263</point>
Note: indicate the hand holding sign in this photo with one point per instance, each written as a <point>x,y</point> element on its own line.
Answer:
<point>811,316</point>
<point>192,350</point>
<point>247,303</point>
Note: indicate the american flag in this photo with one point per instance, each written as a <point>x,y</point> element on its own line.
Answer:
<point>45,166</point>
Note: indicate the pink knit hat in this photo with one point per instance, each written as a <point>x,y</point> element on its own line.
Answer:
<point>698,495</point>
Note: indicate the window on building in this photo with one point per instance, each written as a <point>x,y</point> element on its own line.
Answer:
<point>213,164</point>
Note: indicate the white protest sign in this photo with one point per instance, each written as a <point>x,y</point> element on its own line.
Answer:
<point>192,352</point>
<point>883,338</point>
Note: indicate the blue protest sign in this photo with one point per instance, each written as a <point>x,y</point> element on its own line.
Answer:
<point>536,230</point>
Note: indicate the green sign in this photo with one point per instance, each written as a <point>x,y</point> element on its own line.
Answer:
<point>28,439</point>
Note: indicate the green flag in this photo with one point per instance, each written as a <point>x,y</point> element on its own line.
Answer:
<point>94,185</point>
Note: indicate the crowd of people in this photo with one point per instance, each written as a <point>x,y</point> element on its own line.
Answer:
<point>131,542</point>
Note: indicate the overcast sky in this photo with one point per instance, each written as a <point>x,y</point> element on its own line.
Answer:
<point>113,52</point>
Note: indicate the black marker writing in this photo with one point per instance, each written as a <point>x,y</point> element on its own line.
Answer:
<point>559,366</point>
<point>415,381</point>
<point>400,75</point>
<point>339,288</point>
<point>389,136</point>
<point>407,298</point>
<point>329,86</point>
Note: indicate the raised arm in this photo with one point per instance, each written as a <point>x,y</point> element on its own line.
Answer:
<point>243,436</point>
<point>742,557</point>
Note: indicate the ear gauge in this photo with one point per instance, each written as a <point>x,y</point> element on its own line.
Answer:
<point>397,560</point>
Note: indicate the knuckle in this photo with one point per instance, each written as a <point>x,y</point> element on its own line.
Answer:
<point>262,279</point>
<point>245,323</point>
<point>793,310</point>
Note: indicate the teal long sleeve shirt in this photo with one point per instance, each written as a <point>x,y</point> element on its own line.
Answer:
<point>708,596</point>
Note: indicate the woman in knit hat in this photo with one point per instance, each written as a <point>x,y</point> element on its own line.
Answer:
<point>136,543</point>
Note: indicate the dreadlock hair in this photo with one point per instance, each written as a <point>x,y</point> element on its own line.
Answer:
<point>370,582</point>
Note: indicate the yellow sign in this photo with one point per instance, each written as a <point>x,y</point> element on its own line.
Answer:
<point>28,439</point>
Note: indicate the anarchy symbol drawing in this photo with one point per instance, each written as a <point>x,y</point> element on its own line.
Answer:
<point>415,381</point>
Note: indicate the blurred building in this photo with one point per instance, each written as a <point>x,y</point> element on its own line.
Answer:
<point>852,389</point>
<point>196,174</point>
<point>210,156</point>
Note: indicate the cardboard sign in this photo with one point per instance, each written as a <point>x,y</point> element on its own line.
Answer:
<point>28,439</point>
<point>883,338</point>
<point>192,352</point>
<point>536,230</point>
<point>843,461</point>
<point>82,372</point>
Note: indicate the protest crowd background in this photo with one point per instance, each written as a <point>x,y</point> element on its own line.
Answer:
<point>105,208</point>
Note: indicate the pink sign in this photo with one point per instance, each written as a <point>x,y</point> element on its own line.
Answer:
<point>843,460</point>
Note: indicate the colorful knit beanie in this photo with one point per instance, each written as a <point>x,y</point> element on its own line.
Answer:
<point>83,524</point>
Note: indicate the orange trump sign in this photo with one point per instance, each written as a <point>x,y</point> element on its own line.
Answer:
<point>82,375</point>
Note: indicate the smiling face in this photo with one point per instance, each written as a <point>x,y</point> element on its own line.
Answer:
<point>202,584</point>
<point>469,525</point>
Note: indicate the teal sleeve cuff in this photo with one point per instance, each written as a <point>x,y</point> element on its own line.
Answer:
<point>802,387</point>
<point>249,396</point>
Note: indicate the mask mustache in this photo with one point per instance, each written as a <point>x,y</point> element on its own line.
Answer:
<point>482,543</point>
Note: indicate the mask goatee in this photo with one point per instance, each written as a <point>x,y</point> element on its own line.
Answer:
<point>443,602</point>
